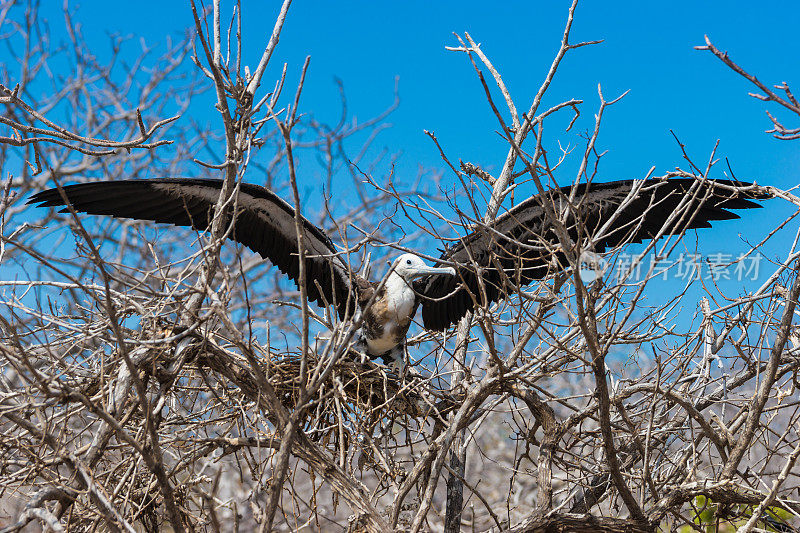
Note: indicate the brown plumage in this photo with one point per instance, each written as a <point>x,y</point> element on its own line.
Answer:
<point>518,248</point>
<point>521,245</point>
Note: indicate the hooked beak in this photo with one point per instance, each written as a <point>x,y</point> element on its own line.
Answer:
<point>428,270</point>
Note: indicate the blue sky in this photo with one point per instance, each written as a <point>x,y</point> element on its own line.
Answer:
<point>647,49</point>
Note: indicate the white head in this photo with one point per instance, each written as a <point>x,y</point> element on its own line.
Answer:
<point>410,267</point>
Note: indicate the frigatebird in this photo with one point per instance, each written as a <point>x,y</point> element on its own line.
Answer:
<point>490,263</point>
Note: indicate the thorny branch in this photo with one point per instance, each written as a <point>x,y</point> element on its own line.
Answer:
<point>788,101</point>
<point>148,381</point>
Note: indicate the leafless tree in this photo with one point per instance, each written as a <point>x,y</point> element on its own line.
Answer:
<point>788,101</point>
<point>155,379</point>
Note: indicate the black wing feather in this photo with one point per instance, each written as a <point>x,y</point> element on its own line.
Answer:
<point>520,246</point>
<point>265,224</point>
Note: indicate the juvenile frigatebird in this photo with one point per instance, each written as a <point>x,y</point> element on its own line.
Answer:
<point>486,265</point>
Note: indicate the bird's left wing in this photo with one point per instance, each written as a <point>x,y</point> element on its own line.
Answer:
<point>521,246</point>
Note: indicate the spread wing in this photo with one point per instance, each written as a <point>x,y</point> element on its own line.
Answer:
<point>264,223</point>
<point>521,245</point>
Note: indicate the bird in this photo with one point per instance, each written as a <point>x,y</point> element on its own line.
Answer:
<point>489,263</point>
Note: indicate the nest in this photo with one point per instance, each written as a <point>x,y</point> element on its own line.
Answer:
<point>361,386</point>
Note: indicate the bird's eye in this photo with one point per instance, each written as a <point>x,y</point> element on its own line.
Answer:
<point>408,261</point>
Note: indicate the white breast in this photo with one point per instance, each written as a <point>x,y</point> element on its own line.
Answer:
<point>400,300</point>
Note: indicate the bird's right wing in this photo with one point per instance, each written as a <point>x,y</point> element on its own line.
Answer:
<point>264,223</point>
